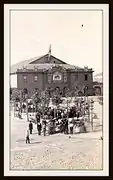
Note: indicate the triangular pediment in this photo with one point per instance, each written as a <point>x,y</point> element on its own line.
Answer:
<point>45,59</point>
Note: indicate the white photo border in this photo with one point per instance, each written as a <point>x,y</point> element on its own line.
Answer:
<point>7,55</point>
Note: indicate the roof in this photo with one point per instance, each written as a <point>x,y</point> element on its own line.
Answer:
<point>22,63</point>
<point>41,64</point>
<point>31,62</point>
<point>98,77</point>
<point>99,74</point>
<point>47,66</point>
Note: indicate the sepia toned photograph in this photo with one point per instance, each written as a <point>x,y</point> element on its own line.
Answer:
<point>56,88</point>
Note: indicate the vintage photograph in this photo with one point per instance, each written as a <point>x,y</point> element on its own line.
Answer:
<point>56,89</point>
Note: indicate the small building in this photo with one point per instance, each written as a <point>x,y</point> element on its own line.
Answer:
<point>48,71</point>
<point>98,84</point>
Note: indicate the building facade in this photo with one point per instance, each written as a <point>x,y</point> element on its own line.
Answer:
<point>50,72</point>
<point>98,84</point>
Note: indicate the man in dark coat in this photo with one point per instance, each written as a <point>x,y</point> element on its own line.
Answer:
<point>39,128</point>
<point>44,127</point>
<point>30,127</point>
<point>66,126</point>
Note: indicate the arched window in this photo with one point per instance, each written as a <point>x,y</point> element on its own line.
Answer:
<point>57,76</point>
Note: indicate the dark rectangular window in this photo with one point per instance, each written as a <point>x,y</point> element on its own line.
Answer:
<point>86,77</point>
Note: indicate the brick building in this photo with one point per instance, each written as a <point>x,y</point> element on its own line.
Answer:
<point>48,71</point>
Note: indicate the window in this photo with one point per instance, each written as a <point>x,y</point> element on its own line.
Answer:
<point>49,78</point>
<point>76,77</point>
<point>35,78</point>
<point>25,77</point>
<point>86,77</point>
<point>56,76</point>
<point>65,78</point>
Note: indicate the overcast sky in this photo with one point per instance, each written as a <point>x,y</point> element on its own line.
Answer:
<point>33,31</point>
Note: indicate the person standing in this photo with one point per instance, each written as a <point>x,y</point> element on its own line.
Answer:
<point>71,127</point>
<point>44,127</point>
<point>27,137</point>
<point>66,127</point>
<point>30,127</point>
<point>39,128</point>
<point>19,115</point>
<point>38,117</point>
<point>78,114</point>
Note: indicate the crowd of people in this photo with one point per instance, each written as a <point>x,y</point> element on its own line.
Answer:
<point>61,117</point>
<point>61,120</point>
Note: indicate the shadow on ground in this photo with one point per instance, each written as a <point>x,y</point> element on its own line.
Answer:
<point>35,142</point>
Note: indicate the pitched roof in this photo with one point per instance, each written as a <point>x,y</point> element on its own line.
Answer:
<point>22,63</point>
<point>31,62</point>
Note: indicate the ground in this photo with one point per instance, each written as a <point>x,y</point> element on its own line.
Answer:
<point>59,151</point>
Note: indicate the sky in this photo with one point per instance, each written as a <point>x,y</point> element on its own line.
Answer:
<point>33,31</point>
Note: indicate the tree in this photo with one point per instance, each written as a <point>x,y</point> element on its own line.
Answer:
<point>16,96</point>
<point>36,95</point>
<point>10,93</point>
<point>45,99</point>
<point>91,108</point>
<point>68,94</point>
<point>85,90</point>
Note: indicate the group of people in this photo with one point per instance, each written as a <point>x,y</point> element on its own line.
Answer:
<point>54,126</point>
<point>40,127</point>
<point>51,120</point>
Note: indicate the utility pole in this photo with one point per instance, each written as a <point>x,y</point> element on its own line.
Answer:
<point>26,99</point>
<point>92,115</point>
<point>21,99</point>
<point>27,109</point>
<point>67,108</point>
<point>14,107</point>
<point>88,111</point>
